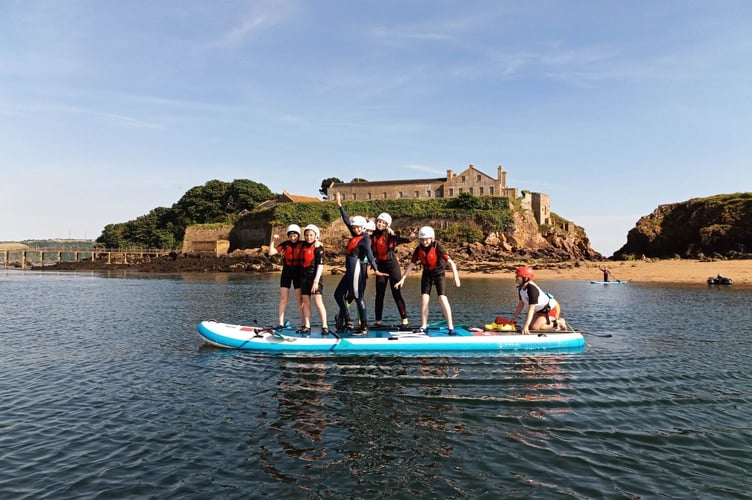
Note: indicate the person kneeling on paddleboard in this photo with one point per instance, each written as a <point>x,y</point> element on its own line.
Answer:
<point>543,311</point>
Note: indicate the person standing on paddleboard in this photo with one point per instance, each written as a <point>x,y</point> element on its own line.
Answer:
<point>542,311</point>
<point>311,282</point>
<point>383,244</point>
<point>358,249</point>
<point>290,250</point>
<point>434,259</point>
<point>606,273</point>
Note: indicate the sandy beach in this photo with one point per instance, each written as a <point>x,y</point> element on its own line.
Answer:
<point>660,271</point>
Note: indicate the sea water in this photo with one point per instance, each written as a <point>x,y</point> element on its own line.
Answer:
<point>107,391</point>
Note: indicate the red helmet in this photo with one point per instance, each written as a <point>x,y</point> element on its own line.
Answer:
<point>525,271</point>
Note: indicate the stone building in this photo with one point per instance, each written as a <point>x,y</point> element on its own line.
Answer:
<point>471,180</point>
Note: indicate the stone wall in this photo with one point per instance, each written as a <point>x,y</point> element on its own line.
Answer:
<point>207,241</point>
<point>252,231</point>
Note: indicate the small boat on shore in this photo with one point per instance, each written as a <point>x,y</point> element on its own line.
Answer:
<point>719,280</point>
<point>616,282</point>
<point>435,339</point>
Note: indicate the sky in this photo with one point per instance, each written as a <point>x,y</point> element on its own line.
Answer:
<point>111,109</point>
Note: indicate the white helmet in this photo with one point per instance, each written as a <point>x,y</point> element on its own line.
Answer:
<point>312,227</point>
<point>293,228</point>
<point>426,232</point>
<point>370,226</point>
<point>386,218</point>
<point>358,220</point>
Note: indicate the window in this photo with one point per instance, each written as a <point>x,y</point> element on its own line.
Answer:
<point>400,195</point>
<point>354,196</point>
<point>480,190</point>
<point>490,190</point>
<point>463,178</point>
<point>471,190</point>
<point>417,194</point>
<point>477,177</point>
<point>428,193</point>
<point>451,191</point>
<point>369,196</point>
<point>385,195</point>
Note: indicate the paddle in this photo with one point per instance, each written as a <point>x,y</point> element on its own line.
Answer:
<point>571,330</point>
<point>583,332</point>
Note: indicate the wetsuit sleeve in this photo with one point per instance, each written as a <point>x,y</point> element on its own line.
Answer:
<point>415,258</point>
<point>442,253</point>
<point>366,244</point>
<point>346,220</point>
<point>319,262</point>
<point>532,294</point>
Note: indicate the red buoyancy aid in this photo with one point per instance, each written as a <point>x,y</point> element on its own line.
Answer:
<point>428,259</point>
<point>381,246</point>
<point>292,254</point>
<point>353,244</point>
<point>308,255</point>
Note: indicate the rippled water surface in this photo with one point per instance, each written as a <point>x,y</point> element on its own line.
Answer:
<point>107,391</point>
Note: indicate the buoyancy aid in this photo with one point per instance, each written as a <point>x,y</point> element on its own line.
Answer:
<point>383,246</point>
<point>429,259</point>
<point>545,301</point>
<point>352,246</point>
<point>292,253</point>
<point>308,256</point>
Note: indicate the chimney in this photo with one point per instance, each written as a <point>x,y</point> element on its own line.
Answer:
<point>502,176</point>
<point>450,174</point>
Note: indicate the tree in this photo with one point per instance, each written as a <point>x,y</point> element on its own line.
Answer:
<point>215,201</point>
<point>326,183</point>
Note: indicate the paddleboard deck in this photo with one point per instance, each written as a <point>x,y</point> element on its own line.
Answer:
<point>437,339</point>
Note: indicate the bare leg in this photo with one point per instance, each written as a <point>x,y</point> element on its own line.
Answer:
<point>306,311</point>
<point>424,298</point>
<point>447,310</point>
<point>284,295</point>
<point>319,301</point>
<point>299,297</point>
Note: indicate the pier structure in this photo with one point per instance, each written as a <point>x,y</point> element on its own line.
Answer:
<point>27,257</point>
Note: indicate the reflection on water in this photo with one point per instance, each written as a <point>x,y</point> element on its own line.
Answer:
<point>108,391</point>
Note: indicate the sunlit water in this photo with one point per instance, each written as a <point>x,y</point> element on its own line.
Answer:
<point>107,391</point>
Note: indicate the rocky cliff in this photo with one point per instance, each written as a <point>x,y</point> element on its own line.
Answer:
<point>718,226</point>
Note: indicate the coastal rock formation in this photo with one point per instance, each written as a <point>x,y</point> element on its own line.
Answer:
<point>713,227</point>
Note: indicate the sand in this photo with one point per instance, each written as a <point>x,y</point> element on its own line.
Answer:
<point>655,271</point>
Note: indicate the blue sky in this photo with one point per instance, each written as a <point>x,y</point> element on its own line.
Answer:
<point>110,109</point>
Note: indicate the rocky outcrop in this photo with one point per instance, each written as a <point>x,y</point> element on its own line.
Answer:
<point>522,241</point>
<point>714,227</point>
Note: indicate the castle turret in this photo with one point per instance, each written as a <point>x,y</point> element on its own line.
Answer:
<point>502,176</point>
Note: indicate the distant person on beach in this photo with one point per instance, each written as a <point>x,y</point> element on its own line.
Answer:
<point>290,250</point>
<point>434,259</point>
<point>383,243</point>
<point>606,273</point>
<point>311,282</point>
<point>542,311</point>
